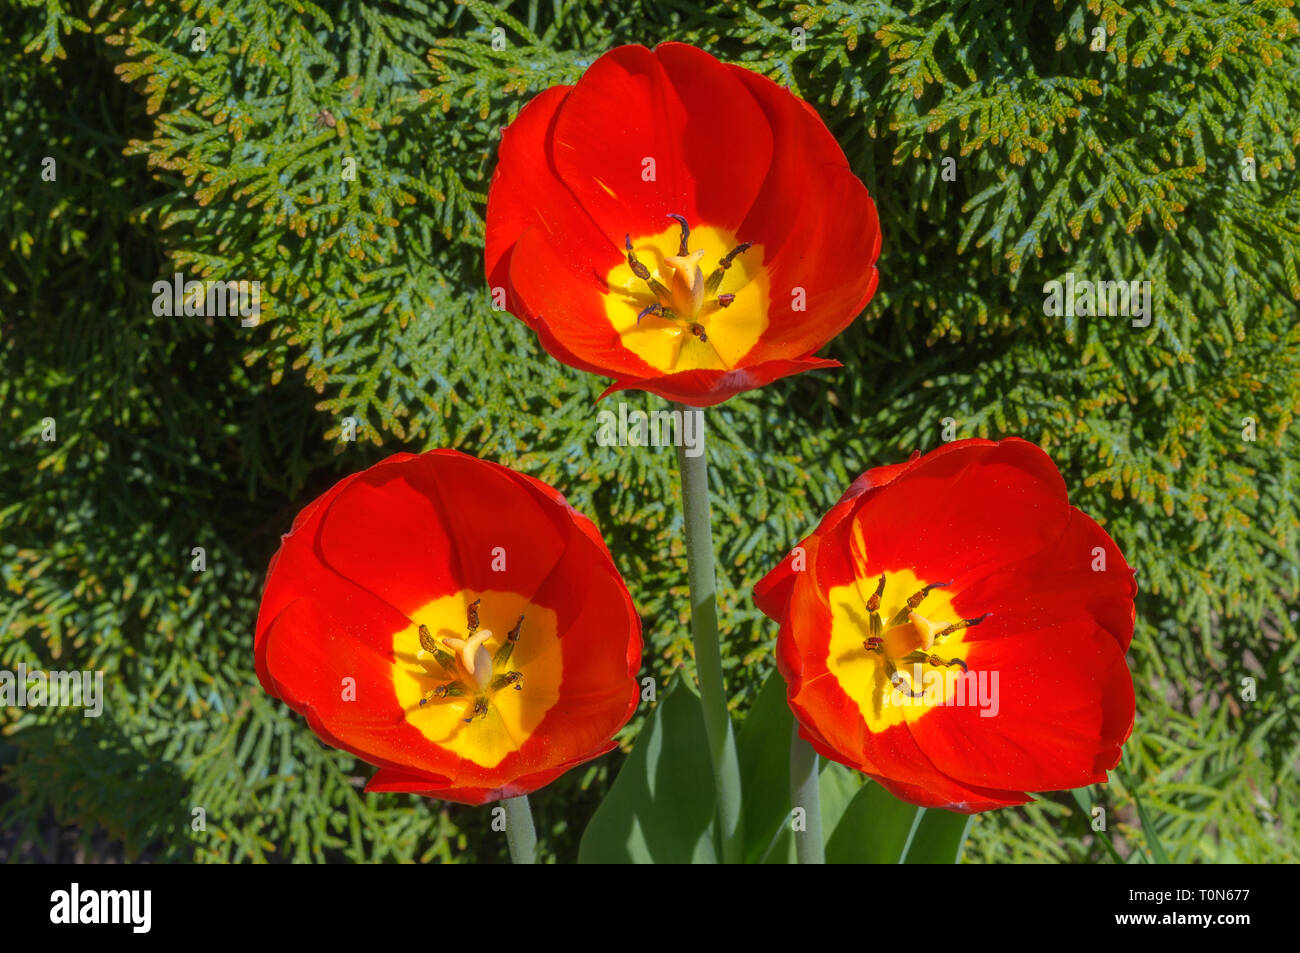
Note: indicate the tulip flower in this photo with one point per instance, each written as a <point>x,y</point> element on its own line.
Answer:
<point>955,629</point>
<point>453,622</point>
<point>683,226</point>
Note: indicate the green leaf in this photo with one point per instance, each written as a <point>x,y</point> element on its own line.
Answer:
<point>837,786</point>
<point>874,829</point>
<point>1158,855</point>
<point>1083,797</point>
<point>938,837</point>
<point>660,807</point>
<point>764,752</point>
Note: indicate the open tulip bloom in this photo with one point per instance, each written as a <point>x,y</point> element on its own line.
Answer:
<point>681,225</point>
<point>955,629</point>
<point>453,622</point>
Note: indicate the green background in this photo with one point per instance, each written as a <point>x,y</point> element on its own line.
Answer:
<point>1123,162</point>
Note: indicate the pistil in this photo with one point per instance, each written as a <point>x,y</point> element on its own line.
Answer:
<point>909,636</point>
<point>471,668</point>
<point>688,297</point>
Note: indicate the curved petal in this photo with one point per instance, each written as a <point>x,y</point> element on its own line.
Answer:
<point>1061,706</point>
<point>645,134</point>
<point>527,192</point>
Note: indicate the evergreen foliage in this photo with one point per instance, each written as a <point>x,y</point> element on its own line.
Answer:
<point>1168,155</point>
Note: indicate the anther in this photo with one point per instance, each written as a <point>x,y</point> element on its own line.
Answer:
<point>509,678</point>
<point>638,269</point>
<point>682,247</point>
<point>874,643</point>
<point>471,616</point>
<point>947,663</point>
<point>450,690</point>
<point>655,309</point>
<point>503,653</point>
<point>874,602</point>
<point>715,279</point>
<point>724,301</point>
<point>698,331</point>
<point>915,600</point>
<point>963,624</point>
<point>899,682</point>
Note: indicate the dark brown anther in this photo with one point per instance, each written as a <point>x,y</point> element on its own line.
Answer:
<point>899,682</point>
<point>471,616</point>
<point>503,681</point>
<point>915,600</point>
<point>698,331</point>
<point>874,602</point>
<point>480,708</point>
<point>715,279</point>
<point>450,690</point>
<point>655,309</point>
<point>426,641</point>
<point>963,624</point>
<point>724,301</point>
<point>874,643</point>
<point>503,653</point>
<point>947,663</point>
<point>638,269</point>
<point>682,247</point>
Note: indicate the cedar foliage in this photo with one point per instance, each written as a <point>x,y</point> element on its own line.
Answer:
<point>1127,162</point>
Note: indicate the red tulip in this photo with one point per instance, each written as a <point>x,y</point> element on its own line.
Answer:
<point>684,226</point>
<point>453,622</point>
<point>955,629</point>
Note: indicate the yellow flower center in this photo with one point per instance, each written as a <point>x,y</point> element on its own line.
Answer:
<point>883,651</point>
<point>478,688</point>
<point>676,316</point>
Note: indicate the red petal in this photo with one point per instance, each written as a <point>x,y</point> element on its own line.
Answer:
<point>526,192</point>
<point>1064,706</point>
<point>710,142</point>
<point>706,388</point>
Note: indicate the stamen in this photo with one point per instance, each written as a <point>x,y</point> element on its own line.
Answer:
<point>874,643</point>
<point>915,600</point>
<point>655,309</point>
<point>715,279</point>
<point>503,653</point>
<point>899,682</point>
<point>925,657</point>
<point>450,690</point>
<point>682,247</point>
<point>440,655</point>
<point>509,678</point>
<point>480,709</point>
<point>471,616</point>
<point>724,301</point>
<point>698,331</point>
<point>638,269</point>
<point>874,602</point>
<point>963,624</point>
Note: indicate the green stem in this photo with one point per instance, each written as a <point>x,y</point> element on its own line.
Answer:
<point>708,654</point>
<point>805,793</point>
<point>520,834</point>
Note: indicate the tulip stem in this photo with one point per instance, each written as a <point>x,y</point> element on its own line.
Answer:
<point>520,835</point>
<point>805,794</point>
<point>708,654</point>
